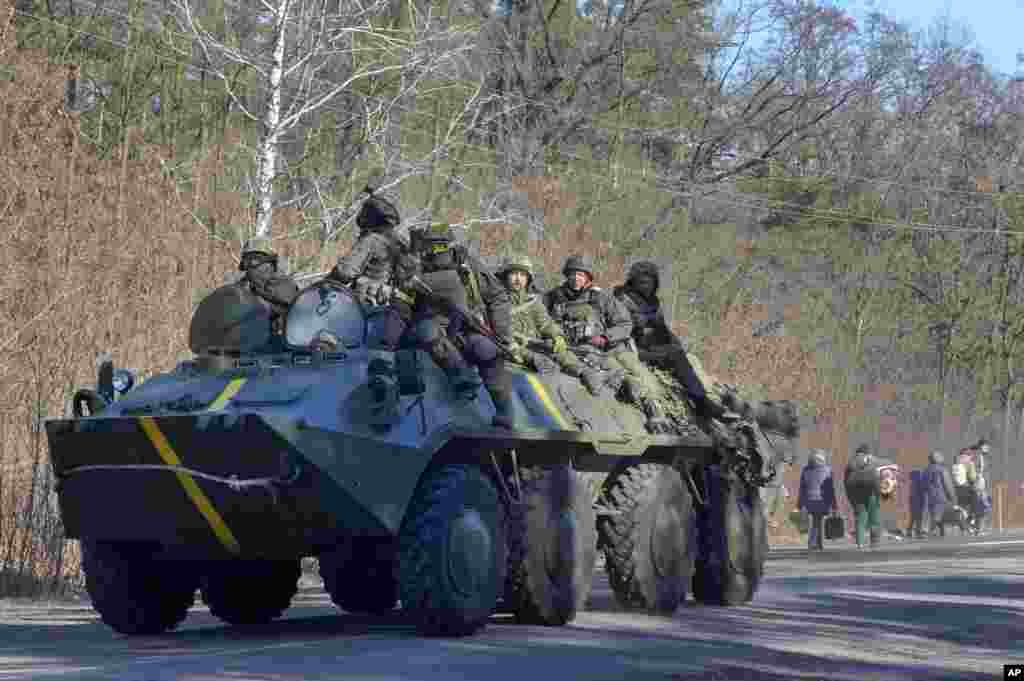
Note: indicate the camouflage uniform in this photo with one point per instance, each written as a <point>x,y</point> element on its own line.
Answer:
<point>466,284</point>
<point>278,291</point>
<point>655,340</point>
<point>531,321</point>
<point>593,319</point>
<point>377,267</point>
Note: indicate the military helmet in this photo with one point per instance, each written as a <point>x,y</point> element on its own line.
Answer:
<point>578,263</point>
<point>641,268</point>
<point>255,252</point>
<point>377,212</point>
<point>517,262</point>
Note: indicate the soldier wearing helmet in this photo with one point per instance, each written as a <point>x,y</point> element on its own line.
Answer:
<point>597,324</point>
<point>379,265</point>
<point>531,321</point>
<point>464,283</point>
<point>655,340</point>
<point>259,263</point>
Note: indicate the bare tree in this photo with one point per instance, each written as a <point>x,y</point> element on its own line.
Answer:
<point>293,55</point>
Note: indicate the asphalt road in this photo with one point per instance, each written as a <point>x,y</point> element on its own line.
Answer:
<point>950,609</point>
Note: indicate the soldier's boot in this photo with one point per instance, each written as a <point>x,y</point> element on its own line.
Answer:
<point>383,383</point>
<point>461,376</point>
<point>657,422</point>
<point>499,387</point>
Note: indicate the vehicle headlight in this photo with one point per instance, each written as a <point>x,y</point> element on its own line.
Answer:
<point>123,380</point>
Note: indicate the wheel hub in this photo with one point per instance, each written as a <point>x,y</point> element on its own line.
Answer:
<point>469,553</point>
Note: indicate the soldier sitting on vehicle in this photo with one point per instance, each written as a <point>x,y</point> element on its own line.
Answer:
<point>595,322</point>
<point>377,268</point>
<point>531,323</point>
<point>654,339</point>
<point>378,265</point>
<point>464,319</point>
<point>259,263</point>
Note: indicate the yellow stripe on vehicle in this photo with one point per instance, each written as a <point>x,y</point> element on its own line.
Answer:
<point>199,499</point>
<point>545,399</point>
<point>230,390</point>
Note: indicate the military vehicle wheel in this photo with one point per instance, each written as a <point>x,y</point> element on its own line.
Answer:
<point>452,552</point>
<point>647,542</point>
<point>251,591</point>
<point>552,547</point>
<point>360,575</point>
<point>133,593</point>
<point>733,541</point>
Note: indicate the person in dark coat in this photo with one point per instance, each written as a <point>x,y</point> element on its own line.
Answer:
<point>861,482</point>
<point>464,284</point>
<point>817,497</point>
<point>917,504</point>
<point>939,492</point>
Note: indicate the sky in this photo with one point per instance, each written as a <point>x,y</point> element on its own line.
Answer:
<point>997,25</point>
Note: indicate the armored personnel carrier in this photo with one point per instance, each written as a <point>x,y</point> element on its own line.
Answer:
<point>221,475</point>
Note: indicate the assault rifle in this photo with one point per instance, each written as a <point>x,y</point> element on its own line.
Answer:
<point>454,312</point>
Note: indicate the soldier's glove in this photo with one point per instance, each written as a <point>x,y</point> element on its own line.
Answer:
<point>599,342</point>
<point>515,352</point>
<point>559,344</point>
<point>383,294</point>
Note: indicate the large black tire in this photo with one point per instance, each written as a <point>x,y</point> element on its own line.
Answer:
<point>134,594</point>
<point>648,541</point>
<point>452,551</point>
<point>245,592</point>
<point>359,574</point>
<point>733,541</point>
<point>552,547</point>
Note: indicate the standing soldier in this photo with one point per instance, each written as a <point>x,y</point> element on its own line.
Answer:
<point>531,321</point>
<point>655,340</point>
<point>464,299</point>
<point>593,319</point>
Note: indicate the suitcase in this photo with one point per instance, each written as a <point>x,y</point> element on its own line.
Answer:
<point>835,527</point>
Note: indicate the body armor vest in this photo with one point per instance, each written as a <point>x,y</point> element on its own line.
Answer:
<point>456,262</point>
<point>381,265</point>
<point>579,317</point>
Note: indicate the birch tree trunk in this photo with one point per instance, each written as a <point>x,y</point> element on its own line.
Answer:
<point>267,147</point>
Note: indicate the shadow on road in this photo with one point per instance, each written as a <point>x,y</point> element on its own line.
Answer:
<point>853,627</point>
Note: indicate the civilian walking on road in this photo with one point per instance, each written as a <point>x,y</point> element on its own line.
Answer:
<point>817,497</point>
<point>917,504</point>
<point>939,491</point>
<point>861,482</point>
